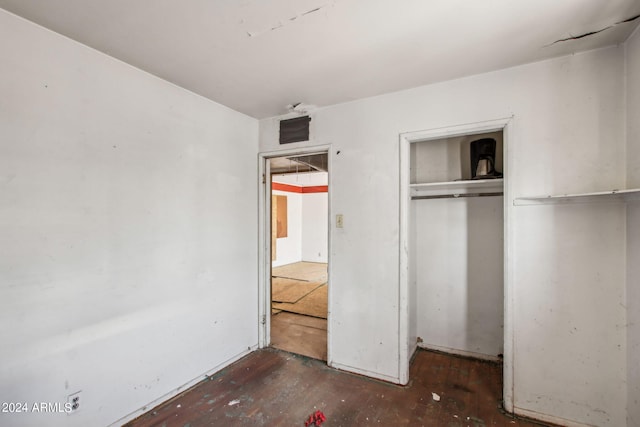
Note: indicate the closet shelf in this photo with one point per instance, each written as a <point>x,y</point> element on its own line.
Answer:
<point>457,187</point>
<point>595,197</point>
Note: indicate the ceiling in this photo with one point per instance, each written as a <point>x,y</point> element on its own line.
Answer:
<point>299,164</point>
<point>258,56</point>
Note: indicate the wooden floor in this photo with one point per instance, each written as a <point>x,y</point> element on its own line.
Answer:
<point>298,327</point>
<point>299,334</point>
<point>275,388</point>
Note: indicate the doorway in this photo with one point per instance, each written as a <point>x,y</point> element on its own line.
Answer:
<point>296,279</point>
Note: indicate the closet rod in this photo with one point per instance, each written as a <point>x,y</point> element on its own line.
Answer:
<point>455,196</point>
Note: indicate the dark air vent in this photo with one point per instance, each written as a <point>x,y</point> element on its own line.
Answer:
<point>294,130</point>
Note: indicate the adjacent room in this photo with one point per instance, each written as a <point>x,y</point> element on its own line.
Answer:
<point>299,254</point>
<point>320,212</point>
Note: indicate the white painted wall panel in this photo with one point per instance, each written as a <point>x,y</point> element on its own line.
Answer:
<point>412,336</point>
<point>315,227</point>
<point>308,221</point>
<point>633,229</point>
<point>633,314</point>
<point>127,226</point>
<point>568,136</point>
<point>633,109</point>
<point>289,249</point>
<point>572,301</point>
<point>459,264</point>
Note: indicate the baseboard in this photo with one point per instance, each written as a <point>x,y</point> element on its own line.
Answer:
<point>521,412</point>
<point>133,415</point>
<point>365,373</point>
<point>458,352</point>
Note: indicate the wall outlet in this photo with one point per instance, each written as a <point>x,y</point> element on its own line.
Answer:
<point>73,401</point>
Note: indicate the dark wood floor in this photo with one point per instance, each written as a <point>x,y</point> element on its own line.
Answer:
<point>275,388</point>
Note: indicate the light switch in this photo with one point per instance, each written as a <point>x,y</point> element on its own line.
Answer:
<point>339,221</point>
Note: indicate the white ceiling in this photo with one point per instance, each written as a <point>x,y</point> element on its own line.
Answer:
<point>257,56</point>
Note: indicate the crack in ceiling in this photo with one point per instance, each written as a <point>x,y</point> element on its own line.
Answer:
<point>326,52</point>
<point>282,24</point>
<point>590,33</point>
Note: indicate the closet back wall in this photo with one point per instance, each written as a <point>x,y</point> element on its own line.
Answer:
<point>459,272</point>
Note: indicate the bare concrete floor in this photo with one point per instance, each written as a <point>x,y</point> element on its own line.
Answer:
<point>275,388</point>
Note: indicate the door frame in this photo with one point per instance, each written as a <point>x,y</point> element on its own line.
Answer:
<point>406,139</point>
<point>264,239</point>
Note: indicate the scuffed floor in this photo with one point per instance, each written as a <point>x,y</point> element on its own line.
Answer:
<point>275,388</point>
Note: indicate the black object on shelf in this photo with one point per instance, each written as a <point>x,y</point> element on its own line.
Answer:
<point>483,159</point>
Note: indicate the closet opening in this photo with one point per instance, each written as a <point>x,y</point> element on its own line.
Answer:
<point>453,228</point>
<point>458,245</point>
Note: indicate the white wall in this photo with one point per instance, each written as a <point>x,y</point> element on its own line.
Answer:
<point>633,109</point>
<point>127,225</point>
<point>459,263</point>
<point>289,249</point>
<point>308,221</point>
<point>568,263</point>
<point>633,226</point>
<point>315,227</point>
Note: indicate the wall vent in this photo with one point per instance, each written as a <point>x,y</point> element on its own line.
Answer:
<point>294,130</point>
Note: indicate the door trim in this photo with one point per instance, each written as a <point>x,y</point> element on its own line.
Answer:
<point>264,240</point>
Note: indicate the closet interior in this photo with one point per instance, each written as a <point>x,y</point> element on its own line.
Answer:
<point>456,257</point>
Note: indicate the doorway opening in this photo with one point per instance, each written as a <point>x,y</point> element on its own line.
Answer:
<point>299,253</point>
